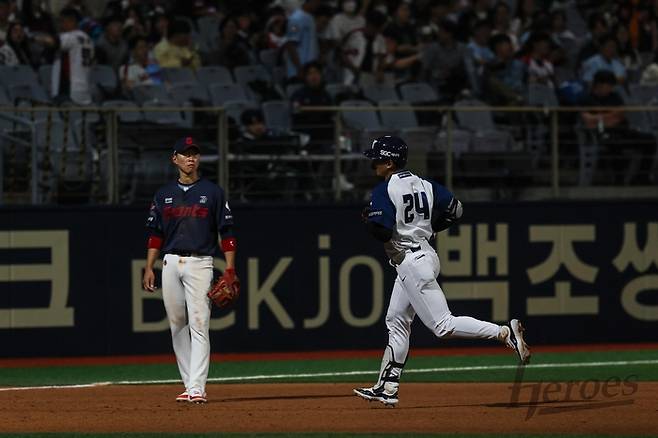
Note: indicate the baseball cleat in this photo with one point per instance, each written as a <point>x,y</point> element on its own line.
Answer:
<point>198,398</point>
<point>377,394</point>
<point>517,342</point>
<point>183,397</point>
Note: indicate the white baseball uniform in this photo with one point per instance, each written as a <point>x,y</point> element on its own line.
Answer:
<point>405,204</point>
<point>77,51</point>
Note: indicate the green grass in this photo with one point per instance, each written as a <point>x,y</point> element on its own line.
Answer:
<point>62,375</point>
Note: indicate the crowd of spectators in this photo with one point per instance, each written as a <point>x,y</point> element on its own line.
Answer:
<point>489,49</point>
<point>509,43</point>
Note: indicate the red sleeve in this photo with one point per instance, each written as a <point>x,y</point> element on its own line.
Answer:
<point>154,242</point>
<point>229,244</point>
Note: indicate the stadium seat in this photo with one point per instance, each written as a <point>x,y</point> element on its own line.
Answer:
<point>125,116</point>
<point>270,58</point>
<point>104,77</point>
<point>418,92</point>
<point>192,92</point>
<point>212,75</point>
<point>246,75</point>
<point>364,123</point>
<point>404,118</point>
<point>152,92</point>
<point>235,108</point>
<point>291,88</point>
<point>486,136</point>
<point>378,92</point>
<point>178,75</point>
<point>17,74</point>
<point>541,95</point>
<point>643,94</point>
<point>461,141</point>
<point>277,115</point>
<point>163,117</point>
<point>27,92</point>
<point>337,89</point>
<point>220,93</point>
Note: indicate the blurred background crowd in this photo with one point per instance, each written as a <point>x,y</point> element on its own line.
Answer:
<point>267,59</point>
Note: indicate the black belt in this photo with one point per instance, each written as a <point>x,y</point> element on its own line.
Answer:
<point>186,253</point>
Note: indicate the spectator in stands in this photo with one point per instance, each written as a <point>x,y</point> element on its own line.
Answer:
<point>363,50</point>
<point>504,76</point>
<point>607,59</point>
<point>4,19</point>
<point>478,46</point>
<point>443,61</point>
<point>232,49</point>
<point>478,12</point>
<point>598,28</point>
<point>650,73</point>
<point>141,70</point>
<point>628,55</point>
<point>402,31</point>
<point>70,74</point>
<point>559,31</point>
<point>525,13</point>
<point>111,48</point>
<point>501,20</point>
<point>16,49</point>
<point>302,45</point>
<point>318,125</point>
<point>277,178</point>
<point>36,17</point>
<point>81,7</point>
<point>275,31</point>
<point>350,18</point>
<point>159,26</point>
<point>438,11</point>
<point>539,68</point>
<point>176,51</point>
<point>614,132</point>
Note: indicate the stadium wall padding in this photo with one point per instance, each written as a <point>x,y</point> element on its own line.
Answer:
<point>313,279</point>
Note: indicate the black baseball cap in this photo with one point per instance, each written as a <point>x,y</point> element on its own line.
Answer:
<point>185,143</point>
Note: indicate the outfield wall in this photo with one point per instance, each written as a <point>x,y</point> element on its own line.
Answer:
<point>70,278</point>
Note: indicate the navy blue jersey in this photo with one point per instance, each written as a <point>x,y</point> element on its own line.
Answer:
<point>192,220</point>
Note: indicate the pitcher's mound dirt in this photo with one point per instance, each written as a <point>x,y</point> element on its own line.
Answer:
<point>424,407</point>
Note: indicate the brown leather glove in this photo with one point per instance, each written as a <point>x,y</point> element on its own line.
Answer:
<point>225,292</point>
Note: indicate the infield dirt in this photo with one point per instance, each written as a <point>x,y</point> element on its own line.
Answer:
<point>423,407</point>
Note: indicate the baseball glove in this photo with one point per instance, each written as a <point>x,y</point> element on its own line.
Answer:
<point>225,292</point>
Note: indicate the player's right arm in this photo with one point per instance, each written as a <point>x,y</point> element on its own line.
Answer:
<point>380,220</point>
<point>154,226</point>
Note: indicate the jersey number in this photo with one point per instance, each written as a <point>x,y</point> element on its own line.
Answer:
<point>417,201</point>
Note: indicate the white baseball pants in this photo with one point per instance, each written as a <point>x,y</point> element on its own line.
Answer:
<point>185,284</point>
<point>416,292</point>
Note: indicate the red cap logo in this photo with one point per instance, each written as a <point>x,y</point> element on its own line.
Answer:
<point>188,140</point>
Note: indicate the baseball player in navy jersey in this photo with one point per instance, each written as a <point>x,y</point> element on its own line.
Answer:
<point>404,212</point>
<point>186,220</point>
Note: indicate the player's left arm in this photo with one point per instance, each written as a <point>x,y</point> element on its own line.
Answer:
<point>227,241</point>
<point>447,209</point>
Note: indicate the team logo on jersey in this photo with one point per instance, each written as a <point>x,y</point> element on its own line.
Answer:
<point>169,200</point>
<point>227,207</point>
<point>203,199</point>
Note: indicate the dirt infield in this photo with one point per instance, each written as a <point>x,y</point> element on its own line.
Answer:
<point>424,407</point>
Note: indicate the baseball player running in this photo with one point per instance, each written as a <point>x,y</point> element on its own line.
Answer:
<point>404,212</point>
<point>184,222</point>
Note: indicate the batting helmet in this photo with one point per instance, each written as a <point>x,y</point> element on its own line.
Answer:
<point>389,147</point>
